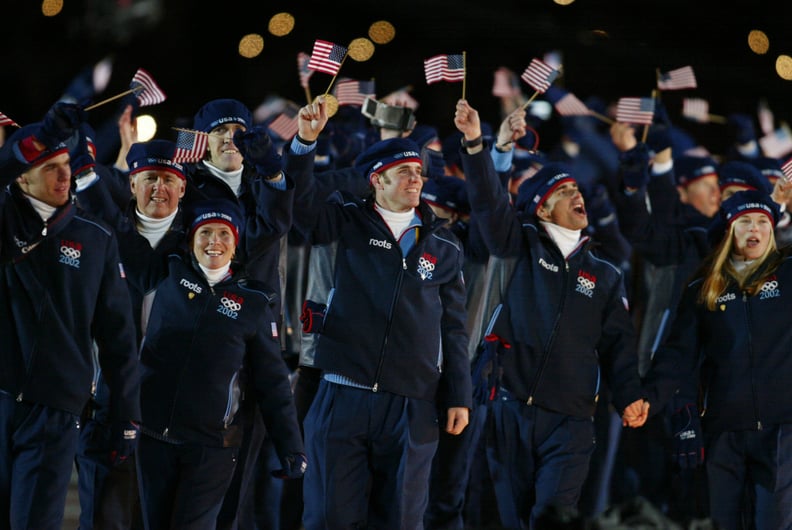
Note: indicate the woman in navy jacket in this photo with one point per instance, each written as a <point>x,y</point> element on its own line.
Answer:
<point>209,329</point>
<point>728,350</point>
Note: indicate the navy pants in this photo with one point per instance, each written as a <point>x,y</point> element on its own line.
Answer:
<point>369,458</point>
<point>760,460</point>
<point>182,485</point>
<point>37,447</point>
<point>108,494</point>
<point>451,470</point>
<point>537,458</point>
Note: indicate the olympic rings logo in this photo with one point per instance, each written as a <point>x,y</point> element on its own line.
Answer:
<point>230,304</point>
<point>70,252</point>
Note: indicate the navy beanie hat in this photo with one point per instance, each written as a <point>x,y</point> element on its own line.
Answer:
<point>220,111</point>
<point>743,175</point>
<point>447,192</point>
<point>154,154</point>
<point>741,203</point>
<point>216,211</point>
<point>688,169</point>
<point>22,150</point>
<point>535,191</point>
<point>769,166</point>
<point>387,153</point>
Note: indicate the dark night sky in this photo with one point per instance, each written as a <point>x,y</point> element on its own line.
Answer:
<point>191,50</point>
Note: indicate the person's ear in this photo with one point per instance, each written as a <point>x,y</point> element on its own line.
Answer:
<point>543,213</point>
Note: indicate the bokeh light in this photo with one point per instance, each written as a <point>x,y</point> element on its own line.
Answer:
<point>784,67</point>
<point>361,49</point>
<point>281,24</point>
<point>251,45</point>
<point>50,8</point>
<point>146,127</point>
<point>758,42</point>
<point>382,32</point>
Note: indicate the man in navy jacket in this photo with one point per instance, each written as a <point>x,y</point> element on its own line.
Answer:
<point>63,293</point>
<point>563,316</point>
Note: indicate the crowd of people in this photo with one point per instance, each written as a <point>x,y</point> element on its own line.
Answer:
<point>371,325</point>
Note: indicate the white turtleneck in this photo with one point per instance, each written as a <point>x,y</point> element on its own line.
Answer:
<point>565,238</point>
<point>739,263</point>
<point>396,221</point>
<point>153,229</point>
<point>44,210</point>
<point>215,275</point>
<point>232,178</point>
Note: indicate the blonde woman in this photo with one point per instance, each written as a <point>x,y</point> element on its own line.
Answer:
<point>728,356</point>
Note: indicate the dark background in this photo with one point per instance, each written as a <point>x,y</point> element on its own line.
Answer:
<point>610,49</point>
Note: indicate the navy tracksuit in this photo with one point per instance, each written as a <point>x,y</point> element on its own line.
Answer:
<point>567,323</point>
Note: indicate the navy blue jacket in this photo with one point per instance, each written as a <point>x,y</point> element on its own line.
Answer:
<point>62,286</point>
<point>206,346</point>
<point>738,354</point>
<point>566,320</point>
<point>392,324</point>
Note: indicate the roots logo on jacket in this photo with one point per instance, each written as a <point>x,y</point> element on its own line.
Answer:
<point>426,264</point>
<point>70,252</point>
<point>770,288</point>
<point>192,286</point>
<point>230,305</point>
<point>586,283</point>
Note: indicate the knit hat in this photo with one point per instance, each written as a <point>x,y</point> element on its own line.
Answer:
<point>447,192</point>
<point>23,147</point>
<point>739,204</point>
<point>535,191</point>
<point>154,154</point>
<point>216,211</point>
<point>769,166</point>
<point>220,111</point>
<point>688,169</point>
<point>385,154</point>
<point>744,176</point>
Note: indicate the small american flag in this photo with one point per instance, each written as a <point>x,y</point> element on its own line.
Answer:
<point>146,89</point>
<point>353,92</point>
<point>327,57</point>
<point>286,124</point>
<point>5,120</point>
<point>449,68</point>
<point>677,79</point>
<point>786,167</point>
<point>303,59</point>
<point>635,110</point>
<point>190,146</point>
<point>566,103</point>
<point>777,144</point>
<point>696,109</point>
<point>539,75</point>
<point>505,84</point>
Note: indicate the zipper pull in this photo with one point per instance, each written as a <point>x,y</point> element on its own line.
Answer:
<point>404,264</point>
<point>19,398</point>
<point>375,388</point>
<point>44,230</point>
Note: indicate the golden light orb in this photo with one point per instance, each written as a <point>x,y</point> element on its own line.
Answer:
<point>251,45</point>
<point>361,49</point>
<point>281,24</point>
<point>382,32</point>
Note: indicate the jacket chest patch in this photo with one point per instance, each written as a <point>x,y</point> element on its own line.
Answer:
<point>770,289</point>
<point>586,283</point>
<point>230,305</point>
<point>426,264</point>
<point>69,253</point>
